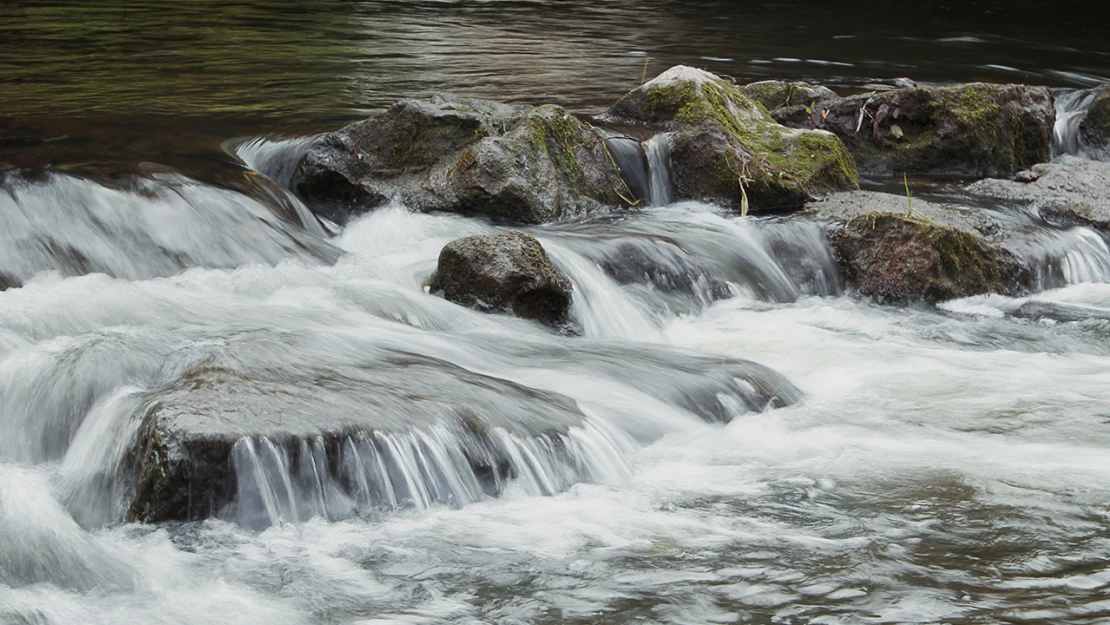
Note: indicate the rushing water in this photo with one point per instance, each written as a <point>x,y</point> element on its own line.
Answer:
<point>731,435</point>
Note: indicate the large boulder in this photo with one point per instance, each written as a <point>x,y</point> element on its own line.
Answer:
<point>506,273</point>
<point>726,149</point>
<point>516,164</point>
<point>974,129</point>
<point>931,253</point>
<point>777,94</point>
<point>1095,127</point>
<point>1073,193</point>
<point>410,430</point>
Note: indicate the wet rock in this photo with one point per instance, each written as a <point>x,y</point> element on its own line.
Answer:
<point>8,282</point>
<point>726,149</point>
<point>776,94</point>
<point>503,273</point>
<point>513,164</point>
<point>1026,176</point>
<point>974,129</point>
<point>933,253</point>
<point>185,463</point>
<point>1075,193</point>
<point>1095,127</point>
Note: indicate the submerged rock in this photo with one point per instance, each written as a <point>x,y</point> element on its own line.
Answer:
<point>1074,193</point>
<point>515,164</point>
<point>1095,127</point>
<point>507,272</point>
<point>933,253</point>
<point>726,149</point>
<point>975,129</point>
<point>776,94</point>
<point>8,282</point>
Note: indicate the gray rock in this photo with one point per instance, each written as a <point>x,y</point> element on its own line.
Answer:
<point>515,164</point>
<point>507,273</point>
<point>1074,193</point>
<point>725,148</point>
<point>934,253</point>
<point>184,466</point>
<point>974,129</point>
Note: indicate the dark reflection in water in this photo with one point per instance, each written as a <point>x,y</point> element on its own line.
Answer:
<point>272,65</point>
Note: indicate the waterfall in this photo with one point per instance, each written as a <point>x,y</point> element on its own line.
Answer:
<point>367,473</point>
<point>1071,109</point>
<point>645,167</point>
<point>658,151</point>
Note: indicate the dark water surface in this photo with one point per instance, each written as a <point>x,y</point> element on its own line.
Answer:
<point>159,80</point>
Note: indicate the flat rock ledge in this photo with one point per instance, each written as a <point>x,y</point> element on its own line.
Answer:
<point>507,273</point>
<point>933,253</point>
<point>1073,193</point>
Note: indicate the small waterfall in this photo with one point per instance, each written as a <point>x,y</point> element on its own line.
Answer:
<point>276,158</point>
<point>1061,258</point>
<point>1071,109</point>
<point>141,228</point>
<point>658,151</point>
<point>365,474</point>
<point>645,167</point>
<point>628,153</point>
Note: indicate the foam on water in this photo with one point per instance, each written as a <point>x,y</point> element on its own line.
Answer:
<point>944,465</point>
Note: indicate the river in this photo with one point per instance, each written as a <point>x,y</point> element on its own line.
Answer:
<point>934,465</point>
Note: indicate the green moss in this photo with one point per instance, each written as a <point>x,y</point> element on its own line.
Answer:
<point>552,130</point>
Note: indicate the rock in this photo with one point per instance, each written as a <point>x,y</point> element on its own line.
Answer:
<point>720,136</point>
<point>776,94</point>
<point>9,282</point>
<point>974,129</point>
<point>1026,176</point>
<point>1095,127</point>
<point>503,273</point>
<point>1074,193</point>
<point>185,461</point>
<point>515,164</point>
<point>937,252</point>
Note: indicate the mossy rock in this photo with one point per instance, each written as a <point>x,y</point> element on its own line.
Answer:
<point>725,148</point>
<point>899,259</point>
<point>507,273</point>
<point>777,94</point>
<point>974,129</point>
<point>514,164</point>
<point>1095,127</point>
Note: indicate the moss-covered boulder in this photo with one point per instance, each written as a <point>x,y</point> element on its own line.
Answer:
<point>726,149</point>
<point>507,273</point>
<point>515,164</point>
<point>975,129</point>
<point>777,94</point>
<point>1067,194</point>
<point>931,253</point>
<point>1095,127</point>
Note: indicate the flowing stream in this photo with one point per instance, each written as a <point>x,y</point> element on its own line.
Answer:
<point>728,433</point>
<point>922,466</point>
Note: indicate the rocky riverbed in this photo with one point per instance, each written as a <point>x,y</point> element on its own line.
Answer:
<point>661,337</point>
